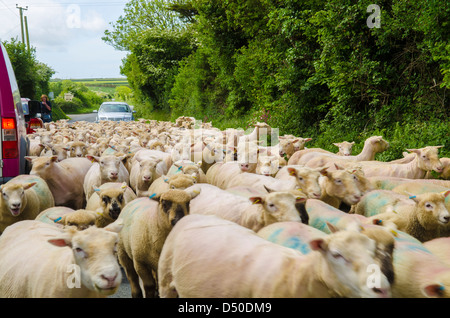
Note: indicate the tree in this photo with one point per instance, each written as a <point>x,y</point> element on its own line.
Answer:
<point>32,76</point>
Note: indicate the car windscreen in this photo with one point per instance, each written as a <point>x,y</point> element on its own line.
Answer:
<point>115,108</point>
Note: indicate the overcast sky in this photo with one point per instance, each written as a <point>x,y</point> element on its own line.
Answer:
<point>67,34</point>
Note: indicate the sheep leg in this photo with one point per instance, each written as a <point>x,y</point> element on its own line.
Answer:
<point>145,273</point>
<point>133,278</point>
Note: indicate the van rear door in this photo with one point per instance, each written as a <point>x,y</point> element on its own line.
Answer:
<point>14,144</point>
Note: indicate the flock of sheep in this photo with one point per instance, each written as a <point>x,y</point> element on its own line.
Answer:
<point>188,210</point>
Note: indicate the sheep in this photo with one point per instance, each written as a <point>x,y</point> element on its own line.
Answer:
<point>108,200</point>
<point>78,149</point>
<point>268,165</point>
<point>252,212</point>
<point>190,168</point>
<point>345,148</point>
<point>142,175</point>
<point>163,166</point>
<point>340,186</point>
<point>427,159</point>
<point>372,146</point>
<point>23,198</point>
<point>424,221</point>
<point>307,178</point>
<point>104,169</point>
<point>58,263</point>
<point>249,266</point>
<point>220,173</point>
<point>59,150</point>
<point>178,181</point>
<point>213,152</point>
<point>297,235</point>
<point>61,217</point>
<point>65,179</point>
<point>147,222</point>
<point>417,271</point>
<point>258,182</point>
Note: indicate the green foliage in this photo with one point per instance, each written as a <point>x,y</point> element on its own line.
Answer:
<point>312,68</point>
<point>32,76</point>
<point>84,100</point>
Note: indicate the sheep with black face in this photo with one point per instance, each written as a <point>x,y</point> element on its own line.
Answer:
<point>147,222</point>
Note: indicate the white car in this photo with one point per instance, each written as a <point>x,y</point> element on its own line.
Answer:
<point>115,111</point>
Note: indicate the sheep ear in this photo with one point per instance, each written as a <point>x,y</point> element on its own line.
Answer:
<point>54,158</point>
<point>338,167</point>
<point>434,290</point>
<point>269,190</point>
<point>292,171</point>
<point>323,171</point>
<point>318,245</point>
<point>93,158</point>
<point>333,229</point>
<point>30,158</point>
<point>28,185</point>
<point>256,200</point>
<point>417,151</point>
<point>446,193</point>
<point>115,227</point>
<point>64,240</point>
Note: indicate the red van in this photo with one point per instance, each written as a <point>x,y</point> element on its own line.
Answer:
<point>14,143</point>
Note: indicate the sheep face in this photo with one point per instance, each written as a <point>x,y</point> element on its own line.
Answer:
<point>431,210</point>
<point>385,243</point>
<point>377,143</point>
<point>94,252</point>
<point>78,149</point>
<point>345,148</point>
<point>428,158</point>
<point>14,198</point>
<point>41,165</point>
<point>59,151</point>
<point>147,170</point>
<point>281,207</point>
<point>300,143</point>
<point>267,165</point>
<point>343,185</point>
<point>175,204</point>
<point>308,180</point>
<point>109,166</point>
<point>112,202</point>
<point>350,256</point>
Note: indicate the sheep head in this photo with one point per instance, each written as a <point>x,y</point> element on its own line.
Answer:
<point>13,196</point>
<point>174,204</point>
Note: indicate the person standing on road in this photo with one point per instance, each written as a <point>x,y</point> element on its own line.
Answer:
<point>46,108</point>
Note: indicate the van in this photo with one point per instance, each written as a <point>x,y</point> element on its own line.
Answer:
<point>14,143</point>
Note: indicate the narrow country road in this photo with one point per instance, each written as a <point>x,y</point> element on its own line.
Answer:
<point>124,289</point>
<point>89,117</point>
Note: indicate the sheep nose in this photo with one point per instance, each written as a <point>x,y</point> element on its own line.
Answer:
<point>79,155</point>
<point>446,219</point>
<point>382,292</point>
<point>109,279</point>
<point>15,205</point>
<point>114,174</point>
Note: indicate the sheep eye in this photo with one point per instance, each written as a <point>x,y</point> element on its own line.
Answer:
<point>338,181</point>
<point>428,205</point>
<point>300,178</point>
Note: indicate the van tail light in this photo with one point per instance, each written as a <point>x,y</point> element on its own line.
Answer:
<point>9,138</point>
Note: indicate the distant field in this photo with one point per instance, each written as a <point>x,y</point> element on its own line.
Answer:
<point>106,85</point>
<point>112,82</point>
